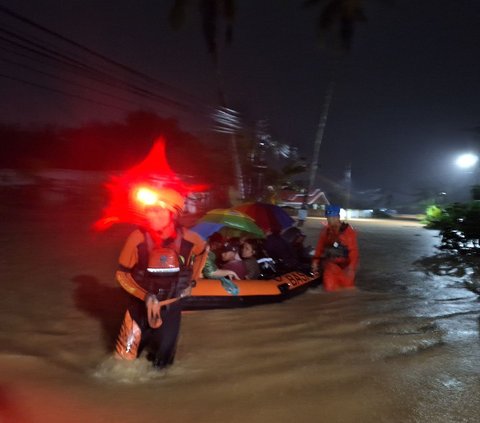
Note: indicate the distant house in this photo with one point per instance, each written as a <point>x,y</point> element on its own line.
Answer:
<point>295,199</point>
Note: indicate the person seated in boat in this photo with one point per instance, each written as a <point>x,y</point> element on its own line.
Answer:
<point>267,265</point>
<point>280,250</point>
<point>210,269</point>
<point>336,255</point>
<point>295,238</point>
<point>231,259</point>
<point>248,253</point>
<point>215,242</point>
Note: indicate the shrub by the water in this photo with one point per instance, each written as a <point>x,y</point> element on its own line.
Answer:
<point>459,225</point>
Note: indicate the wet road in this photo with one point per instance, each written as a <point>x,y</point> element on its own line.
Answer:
<point>403,347</point>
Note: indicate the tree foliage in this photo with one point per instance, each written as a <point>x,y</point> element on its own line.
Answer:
<point>337,18</point>
<point>111,146</point>
<point>459,225</point>
<point>212,12</point>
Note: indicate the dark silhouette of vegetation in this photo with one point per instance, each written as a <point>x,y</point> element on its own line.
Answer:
<point>113,146</point>
<point>459,224</point>
<point>213,12</point>
<point>459,256</point>
<point>337,20</point>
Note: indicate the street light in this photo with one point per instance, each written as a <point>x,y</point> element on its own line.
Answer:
<point>469,161</point>
<point>466,160</point>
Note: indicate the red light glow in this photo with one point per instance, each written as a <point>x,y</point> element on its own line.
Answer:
<point>150,182</point>
<point>146,196</point>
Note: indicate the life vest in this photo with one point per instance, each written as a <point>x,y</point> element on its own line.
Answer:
<point>164,270</point>
<point>335,249</point>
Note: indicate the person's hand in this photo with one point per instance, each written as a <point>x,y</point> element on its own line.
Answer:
<point>153,311</point>
<point>150,300</point>
<point>349,272</point>
<point>186,292</point>
<point>315,267</point>
<point>231,274</point>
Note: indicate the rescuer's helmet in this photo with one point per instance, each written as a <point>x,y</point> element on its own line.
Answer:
<point>332,211</point>
<point>150,195</point>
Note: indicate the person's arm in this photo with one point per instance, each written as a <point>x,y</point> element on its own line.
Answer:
<point>352,245</point>
<point>211,271</point>
<point>224,273</point>
<point>319,250</point>
<point>200,252</point>
<point>125,279</point>
<point>209,266</point>
<point>127,261</point>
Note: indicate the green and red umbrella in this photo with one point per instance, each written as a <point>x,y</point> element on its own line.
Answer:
<point>267,216</point>
<point>233,222</point>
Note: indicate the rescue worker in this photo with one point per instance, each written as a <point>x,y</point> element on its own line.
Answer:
<point>336,254</point>
<point>157,266</point>
<point>302,215</point>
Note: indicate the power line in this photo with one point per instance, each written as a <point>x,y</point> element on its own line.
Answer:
<point>94,73</point>
<point>80,97</point>
<point>92,52</point>
<point>22,65</point>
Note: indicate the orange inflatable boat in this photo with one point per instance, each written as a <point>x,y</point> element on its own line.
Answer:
<point>215,293</point>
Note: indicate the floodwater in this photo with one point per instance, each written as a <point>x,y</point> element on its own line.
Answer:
<point>403,347</point>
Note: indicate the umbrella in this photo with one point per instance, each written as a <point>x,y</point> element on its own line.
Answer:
<point>220,219</point>
<point>205,229</point>
<point>267,216</point>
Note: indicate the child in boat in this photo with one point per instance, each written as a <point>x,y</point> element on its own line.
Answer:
<point>231,259</point>
<point>211,270</point>
<point>248,252</point>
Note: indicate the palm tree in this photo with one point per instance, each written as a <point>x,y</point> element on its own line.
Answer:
<point>337,19</point>
<point>322,123</point>
<point>212,11</point>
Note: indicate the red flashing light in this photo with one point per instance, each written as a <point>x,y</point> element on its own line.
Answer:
<point>146,196</point>
<point>151,182</point>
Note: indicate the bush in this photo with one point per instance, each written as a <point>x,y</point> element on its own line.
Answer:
<point>433,216</point>
<point>459,227</point>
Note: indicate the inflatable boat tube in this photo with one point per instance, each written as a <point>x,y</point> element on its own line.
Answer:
<point>211,293</point>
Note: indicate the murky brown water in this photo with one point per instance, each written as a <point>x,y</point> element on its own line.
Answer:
<point>404,347</point>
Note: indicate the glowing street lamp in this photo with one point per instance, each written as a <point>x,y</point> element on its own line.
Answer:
<point>467,160</point>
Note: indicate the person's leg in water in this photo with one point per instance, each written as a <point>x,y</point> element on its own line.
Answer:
<point>164,339</point>
<point>334,278</point>
<point>133,332</point>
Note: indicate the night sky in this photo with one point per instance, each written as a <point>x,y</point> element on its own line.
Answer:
<point>406,98</point>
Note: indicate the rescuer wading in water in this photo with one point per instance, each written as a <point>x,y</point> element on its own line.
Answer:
<point>160,260</point>
<point>157,265</point>
<point>336,254</point>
